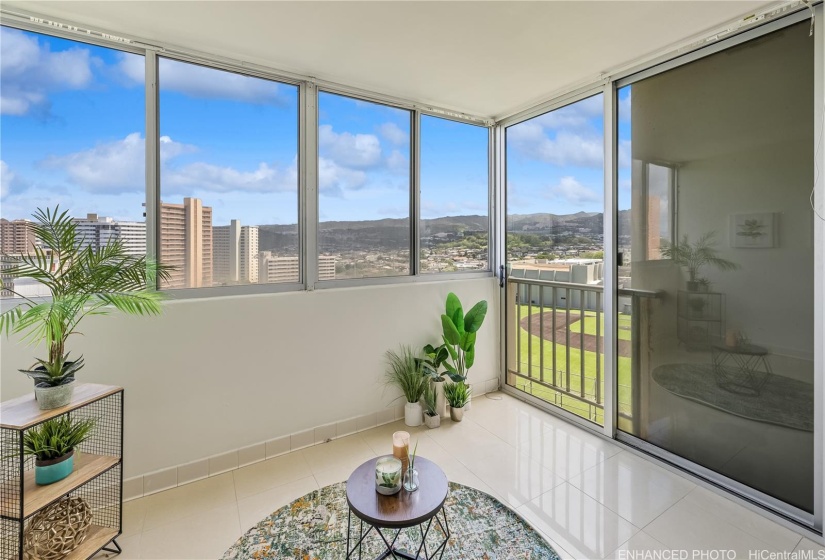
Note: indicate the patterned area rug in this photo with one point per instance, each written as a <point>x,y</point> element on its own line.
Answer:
<point>783,401</point>
<point>314,527</point>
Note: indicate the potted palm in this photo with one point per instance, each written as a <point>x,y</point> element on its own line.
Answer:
<point>82,281</point>
<point>53,444</point>
<point>432,418</point>
<point>458,395</point>
<point>693,256</point>
<point>404,371</point>
<point>459,336</point>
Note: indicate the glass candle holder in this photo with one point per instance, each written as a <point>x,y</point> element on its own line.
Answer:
<point>400,448</point>
<point>388,475</point>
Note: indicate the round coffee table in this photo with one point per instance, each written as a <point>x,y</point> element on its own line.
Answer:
<point>400,511</point>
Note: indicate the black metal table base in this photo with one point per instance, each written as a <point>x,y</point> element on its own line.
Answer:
<point>392,552</point>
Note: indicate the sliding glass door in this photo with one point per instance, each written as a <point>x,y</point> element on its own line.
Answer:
<point>715,275</point>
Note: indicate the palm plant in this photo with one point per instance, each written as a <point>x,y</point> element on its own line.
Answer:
<point>405,372</point>
<point>694,256</point>
<point>82,281</point>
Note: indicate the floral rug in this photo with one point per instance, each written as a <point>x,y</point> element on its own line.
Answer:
<point>314,527</point>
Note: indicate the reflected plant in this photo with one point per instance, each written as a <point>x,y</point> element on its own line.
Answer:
<point>694,256</point>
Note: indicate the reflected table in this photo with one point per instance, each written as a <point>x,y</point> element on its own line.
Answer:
<point>751,368</point>
<point>392,514</point>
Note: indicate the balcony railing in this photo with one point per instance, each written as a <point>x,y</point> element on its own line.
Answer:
<point>555,344</point>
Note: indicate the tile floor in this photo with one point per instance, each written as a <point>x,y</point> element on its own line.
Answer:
<point>587,496</point>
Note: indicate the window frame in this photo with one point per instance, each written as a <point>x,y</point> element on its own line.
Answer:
<point>308,89</point>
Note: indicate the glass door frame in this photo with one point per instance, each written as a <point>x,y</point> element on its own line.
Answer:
<point>609,86</point>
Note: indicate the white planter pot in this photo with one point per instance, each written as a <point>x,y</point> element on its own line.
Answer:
<point>413,414</point>
<point>440,400</point>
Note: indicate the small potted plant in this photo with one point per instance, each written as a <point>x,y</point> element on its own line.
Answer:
<point>432,418</point>
<point>459,336</point>
<point>434,357</point>
<point>81,281</point>
<point>458,395</point>
<point>693,256</point>
<point>53,444</point>
<point>405,372</point>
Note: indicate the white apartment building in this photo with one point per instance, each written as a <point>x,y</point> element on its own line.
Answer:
<point>235,254</point>
<point>99,231</point>
<point>276,269</point>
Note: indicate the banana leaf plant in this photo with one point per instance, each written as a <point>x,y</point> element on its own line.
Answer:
<point>82,281</point>
<point>459,336</point>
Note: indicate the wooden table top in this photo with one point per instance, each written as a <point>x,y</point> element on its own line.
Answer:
<point>405,509</point>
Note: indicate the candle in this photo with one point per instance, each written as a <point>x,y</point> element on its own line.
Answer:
<point>400,448</point>
<point>732,338</point>
<point>387,475</point>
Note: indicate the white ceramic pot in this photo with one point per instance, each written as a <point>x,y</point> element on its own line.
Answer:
<point>440,399</point>
<point>413,414</point>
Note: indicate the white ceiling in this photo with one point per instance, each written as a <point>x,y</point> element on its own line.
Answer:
<point>484,58</point>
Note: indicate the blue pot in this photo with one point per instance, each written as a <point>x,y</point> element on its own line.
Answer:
<point>52,470</point>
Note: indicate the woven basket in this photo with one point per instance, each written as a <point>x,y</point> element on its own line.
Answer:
<point>57,530</point>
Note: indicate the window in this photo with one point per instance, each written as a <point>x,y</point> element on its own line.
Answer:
<point>228,178</point>
<point>364,189</point>
<point>73,135</point>
<point>454,224</point>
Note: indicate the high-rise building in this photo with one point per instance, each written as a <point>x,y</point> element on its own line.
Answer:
<point>186,243</point>
<point>287,269</point>
<point>235,254</point>
<point>16,236</point>
<point>99,231</point>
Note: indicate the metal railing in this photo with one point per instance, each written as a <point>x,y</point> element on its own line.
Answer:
<point>555,345</point>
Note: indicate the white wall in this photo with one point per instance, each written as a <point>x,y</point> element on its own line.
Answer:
<point>214,375</point>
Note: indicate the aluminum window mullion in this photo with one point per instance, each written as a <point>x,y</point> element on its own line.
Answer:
<point>415,193</point>
<point>610,272</point>
<point>819,272</point>
<point>308,182</point>
<point>152,159</point>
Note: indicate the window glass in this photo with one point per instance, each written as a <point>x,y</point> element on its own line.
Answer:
<point>454,225</point>
<point>228,178</point>
<point>72,119</point>
<point>364,189</point>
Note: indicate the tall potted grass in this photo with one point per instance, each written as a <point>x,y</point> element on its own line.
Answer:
<point>82,281</point>
<point>404,371</point>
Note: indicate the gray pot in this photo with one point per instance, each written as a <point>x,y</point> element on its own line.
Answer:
<point>432,421</point>
<point>49,397</point>
<point>456,414</point>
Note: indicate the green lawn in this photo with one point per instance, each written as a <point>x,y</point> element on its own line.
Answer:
<point>532,350</point>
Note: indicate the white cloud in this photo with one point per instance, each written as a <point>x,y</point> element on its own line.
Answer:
<point>349,150</point>
<point>565,148</point>
<point>203,82</point>
<point>334,178</point>
<point>214,178</point>
<point>572,191</point>
<point>29,70</point>
<point>7,177</point>
<point>397,161</point>
<point>393,133</point>
<point>580,115</point>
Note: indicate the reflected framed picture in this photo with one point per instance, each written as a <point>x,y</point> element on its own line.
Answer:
<point>754,231</point>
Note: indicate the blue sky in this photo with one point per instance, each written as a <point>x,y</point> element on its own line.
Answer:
<point>73,133</point>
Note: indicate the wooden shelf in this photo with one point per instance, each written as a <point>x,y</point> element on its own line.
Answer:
<point>86,467</point>
<point>96,538</point>
<point>23,412</point>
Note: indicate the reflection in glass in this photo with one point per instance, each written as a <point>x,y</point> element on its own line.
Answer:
<point>715,234</point>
